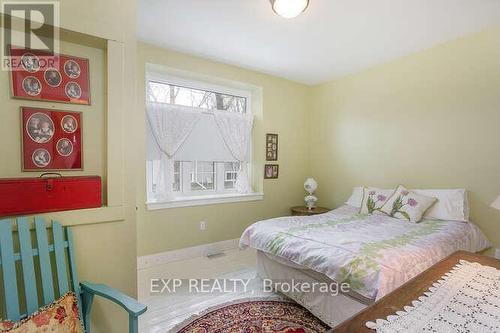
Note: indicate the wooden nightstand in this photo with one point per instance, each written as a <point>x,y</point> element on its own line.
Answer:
<point>304,211</point>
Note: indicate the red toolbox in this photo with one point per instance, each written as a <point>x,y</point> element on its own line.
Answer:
<point>49,193</point>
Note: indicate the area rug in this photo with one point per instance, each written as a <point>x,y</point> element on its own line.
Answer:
<point>256,317</point>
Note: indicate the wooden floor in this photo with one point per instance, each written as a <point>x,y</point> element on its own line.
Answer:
<point>168,310</point>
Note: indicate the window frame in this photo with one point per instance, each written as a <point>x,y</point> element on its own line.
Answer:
<point>187,197</point>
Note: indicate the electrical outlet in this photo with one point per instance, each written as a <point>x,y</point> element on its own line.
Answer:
<point>497,253</point>
<point>203,225</point>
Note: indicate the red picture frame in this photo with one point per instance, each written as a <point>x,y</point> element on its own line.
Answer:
<point>51,140</point>
<point>39,75</point>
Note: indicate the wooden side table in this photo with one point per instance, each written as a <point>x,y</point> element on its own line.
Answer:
<point>304,211</point>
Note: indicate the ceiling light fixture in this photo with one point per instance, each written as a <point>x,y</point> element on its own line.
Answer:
<point>289,8</point>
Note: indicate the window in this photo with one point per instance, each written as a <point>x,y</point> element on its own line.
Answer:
<point>204,99</point>
<point>230,174</point>
<point>204,163</point>
<point>202,176</point>
<point>177,176</point>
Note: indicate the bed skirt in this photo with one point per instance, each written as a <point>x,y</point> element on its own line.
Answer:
<point>331,309</point>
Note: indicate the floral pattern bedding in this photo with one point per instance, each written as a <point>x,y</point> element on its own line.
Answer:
<point>375,254</point>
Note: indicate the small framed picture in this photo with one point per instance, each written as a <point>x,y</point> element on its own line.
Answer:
<point>271,147</point>
<point>52,140</point>
<point>271,171</point>
<point>49,77</point>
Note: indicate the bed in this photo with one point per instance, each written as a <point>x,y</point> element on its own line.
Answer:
<point>373,254</point>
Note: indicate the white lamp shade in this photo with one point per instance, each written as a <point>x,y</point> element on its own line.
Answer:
<point>310,185</point>
<point>289,8</point>
<point>496,203</point>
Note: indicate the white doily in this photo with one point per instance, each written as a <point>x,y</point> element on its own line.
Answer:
<point>467,299</point>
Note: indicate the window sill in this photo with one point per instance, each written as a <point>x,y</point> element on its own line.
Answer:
<point>204,200</point>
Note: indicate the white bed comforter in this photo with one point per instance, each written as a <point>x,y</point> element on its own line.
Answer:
<point>375,254</point>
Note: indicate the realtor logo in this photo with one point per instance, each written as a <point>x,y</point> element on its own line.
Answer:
<point>29,25</point>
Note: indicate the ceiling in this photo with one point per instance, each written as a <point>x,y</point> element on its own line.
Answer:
<point>331,39</point>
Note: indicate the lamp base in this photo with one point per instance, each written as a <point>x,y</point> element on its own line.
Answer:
<point>310,201</point>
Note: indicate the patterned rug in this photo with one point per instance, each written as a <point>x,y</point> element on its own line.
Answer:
<point>257,317</point>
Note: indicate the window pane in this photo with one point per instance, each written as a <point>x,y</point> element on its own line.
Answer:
<point>231,103</point>
<point>230,174</point>
<point>162,93</point>
<point>202,176</point>
<point>177,176</point>
<point>167,93</point>
<point>154,176</point>
<point>149,176</point>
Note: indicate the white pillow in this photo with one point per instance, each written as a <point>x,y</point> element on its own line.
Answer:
<point>452,204</point>
<point>356,198</point>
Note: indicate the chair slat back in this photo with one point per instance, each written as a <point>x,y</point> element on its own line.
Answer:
<point>44,259</point>
<point>62,273</point>
<point>9,271</point>
<point>64,270</point>
<point>29,278</point>
<point>75,284</point>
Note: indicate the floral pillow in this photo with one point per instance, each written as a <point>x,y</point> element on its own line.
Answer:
<point>60,316</point>
<point>5,326</point>
<point>405,204</point>
<point>374,199</point>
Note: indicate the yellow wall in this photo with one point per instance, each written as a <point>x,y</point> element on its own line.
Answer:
<point>428,120</point>
<point>105,252</point>
<point>285,111</point>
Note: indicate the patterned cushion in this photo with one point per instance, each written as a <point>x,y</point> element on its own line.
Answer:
<point>373,199</point>
<point>405,204</point>
<point>6,326</point>
<point>60,316</point>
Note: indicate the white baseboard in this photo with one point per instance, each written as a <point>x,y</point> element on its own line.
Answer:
<point>162,258</point>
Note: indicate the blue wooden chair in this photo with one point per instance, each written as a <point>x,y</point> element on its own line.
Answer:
<point>62,253</point>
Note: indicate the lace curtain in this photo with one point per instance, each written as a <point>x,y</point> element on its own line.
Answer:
<point>170,126</point>
<point>236,130</point>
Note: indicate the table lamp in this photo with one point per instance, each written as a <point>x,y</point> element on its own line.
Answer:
<point>496,203</point>
<point>310,186</point>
